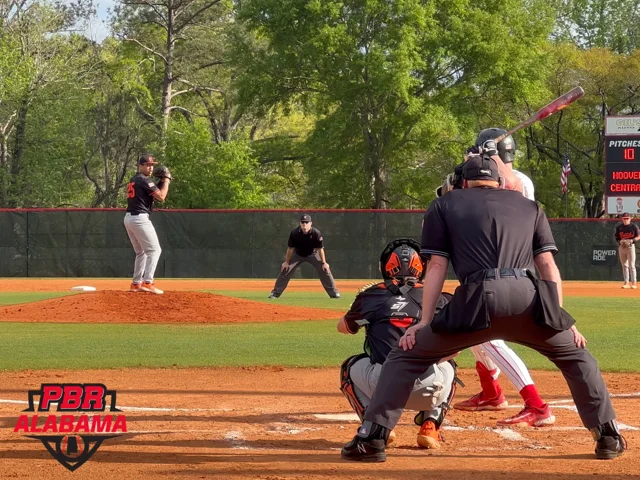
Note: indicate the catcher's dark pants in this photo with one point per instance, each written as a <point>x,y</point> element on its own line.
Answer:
<point>512,319</point>
<point>327,280</point>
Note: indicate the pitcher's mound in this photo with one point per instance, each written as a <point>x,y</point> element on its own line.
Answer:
<point>172,307</point>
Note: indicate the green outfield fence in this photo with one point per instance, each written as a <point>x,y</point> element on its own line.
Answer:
<point>247,243</point>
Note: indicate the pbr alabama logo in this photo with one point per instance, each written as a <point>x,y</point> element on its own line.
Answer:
<point>72,439</point>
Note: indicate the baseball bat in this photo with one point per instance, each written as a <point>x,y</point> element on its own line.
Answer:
<point>555,106</point>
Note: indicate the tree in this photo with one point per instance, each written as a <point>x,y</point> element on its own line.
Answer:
<point>166,30</point>
<point>613,24</point>
<point>389,81</point>
<point>612,87</point>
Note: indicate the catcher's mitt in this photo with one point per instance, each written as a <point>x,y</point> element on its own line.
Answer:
<point>626,243</point>
<point>161,172</point>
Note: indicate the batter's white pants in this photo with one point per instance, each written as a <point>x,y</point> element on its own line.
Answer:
<point>430,390</point>
<point>497,355</point>
<point>146,245</point>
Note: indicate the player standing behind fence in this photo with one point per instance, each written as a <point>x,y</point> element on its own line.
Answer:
<point>305,245</point>
<point>626,236</point>
<point>141,192</point>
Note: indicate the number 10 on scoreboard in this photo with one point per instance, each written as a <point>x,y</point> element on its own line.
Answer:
<point>629,153</point>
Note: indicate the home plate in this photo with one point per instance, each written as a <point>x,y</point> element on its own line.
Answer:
<point>84,288</point>
<point>338,417</point>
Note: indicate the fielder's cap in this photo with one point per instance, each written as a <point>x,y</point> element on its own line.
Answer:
<point>480,167</point>
<point>146,159</point>
<point>305,218</point>
<point>626,215</point>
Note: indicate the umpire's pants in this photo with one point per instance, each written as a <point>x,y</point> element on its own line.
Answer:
<point>327,280</point>
<point>512,319</point>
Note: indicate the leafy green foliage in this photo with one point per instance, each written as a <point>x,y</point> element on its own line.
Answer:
<point>210,175</point>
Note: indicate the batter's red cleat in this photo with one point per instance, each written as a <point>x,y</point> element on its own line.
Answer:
<point>479,402</point>
<point>530,417</point>
<point>134,287</point>
<point>151,288</point>
<point>429,436</point>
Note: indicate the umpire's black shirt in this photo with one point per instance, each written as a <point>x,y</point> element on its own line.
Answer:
<point>305,243</point>
<point>483,228</point>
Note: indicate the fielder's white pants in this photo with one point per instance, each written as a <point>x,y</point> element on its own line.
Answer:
<point>429,391</point>
<point>146,245</point>
<point>496,354</point>
<point>628,261</point>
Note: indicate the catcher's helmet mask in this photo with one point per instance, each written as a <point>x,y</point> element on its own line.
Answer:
<point>401,260</point>
<point>506,147</point>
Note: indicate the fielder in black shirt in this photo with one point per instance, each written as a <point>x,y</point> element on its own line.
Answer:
<point>627,234</point>
<point>305,245</point>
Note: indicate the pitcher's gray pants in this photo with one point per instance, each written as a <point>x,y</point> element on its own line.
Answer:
<point>327,280</point>
<point>628,261</point>
<point>512,319</point>
<point>146,245</point>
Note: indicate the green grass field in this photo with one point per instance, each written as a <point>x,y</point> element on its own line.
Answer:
<point>610,325</point>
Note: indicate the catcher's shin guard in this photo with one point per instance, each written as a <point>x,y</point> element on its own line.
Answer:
<point>347,387</point>
<point>445,406</point>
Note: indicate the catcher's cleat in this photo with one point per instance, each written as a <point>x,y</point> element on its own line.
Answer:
<point>362,450</point>
<point>479,402</point>
<point>134,287</point>
<point>530,417</point>
<point>337,295</point>
<point>273,295</point>
<point>429,436</point>
<point>151,288</point>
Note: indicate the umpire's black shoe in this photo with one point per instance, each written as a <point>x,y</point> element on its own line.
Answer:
<point>361,450</point>
<point>273,295</point>
<point>608,447</point>
<point>609,442</point>
<point>368,445</point>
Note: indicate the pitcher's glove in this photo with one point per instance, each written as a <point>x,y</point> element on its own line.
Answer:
<point>161,172</point>
<point>626,243</point>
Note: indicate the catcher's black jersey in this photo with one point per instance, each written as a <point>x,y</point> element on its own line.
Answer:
<point>482,228</point>
<point>385,316</point>
<point>140,194</point>
<point>627,232</point>
<point>305,243</point>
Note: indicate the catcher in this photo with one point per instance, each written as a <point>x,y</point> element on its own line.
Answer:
<point>141,193</point>
<point>627,234</point>
<point>386,310</point>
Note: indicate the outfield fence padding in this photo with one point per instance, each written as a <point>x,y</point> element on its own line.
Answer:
<point>248,243</point>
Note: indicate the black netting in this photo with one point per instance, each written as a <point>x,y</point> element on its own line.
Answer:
<point>248,244</point>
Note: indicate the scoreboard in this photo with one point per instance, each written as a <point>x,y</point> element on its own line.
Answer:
<point>622,164</point>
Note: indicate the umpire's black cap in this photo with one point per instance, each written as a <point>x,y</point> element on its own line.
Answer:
<point>480,167</point>
<point>305,218</point>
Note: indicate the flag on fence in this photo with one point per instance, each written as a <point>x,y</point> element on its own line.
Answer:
<point>566,171</point>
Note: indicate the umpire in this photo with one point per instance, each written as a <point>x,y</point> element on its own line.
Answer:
<point>494,238</point>
<point>305,245</point>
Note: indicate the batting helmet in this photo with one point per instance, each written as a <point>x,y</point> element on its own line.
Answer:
<point>506,147</point>
<point>401,259</point>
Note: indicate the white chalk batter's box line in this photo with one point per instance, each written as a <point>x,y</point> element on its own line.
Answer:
<point>557,404</point>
